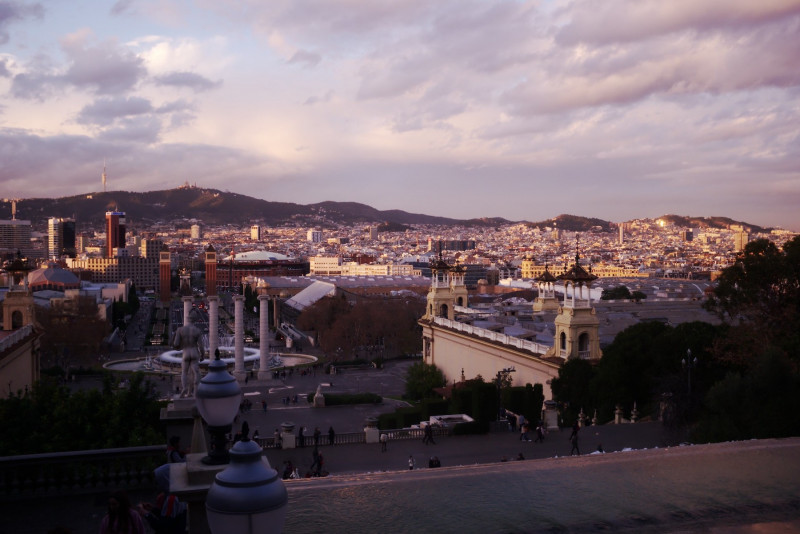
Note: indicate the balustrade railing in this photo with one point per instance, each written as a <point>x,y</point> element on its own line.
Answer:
<point>64,473</point>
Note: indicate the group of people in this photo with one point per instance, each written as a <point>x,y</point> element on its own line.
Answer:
<point>165,515</point>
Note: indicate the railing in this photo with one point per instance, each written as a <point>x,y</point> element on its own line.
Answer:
<point>532,346</point>
<point>339,439</point>
<point>416,433</point>
<point>15,337</point>
<point>94,471</point>
<point>584,354</point>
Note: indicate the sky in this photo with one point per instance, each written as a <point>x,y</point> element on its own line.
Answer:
<point>616,109</point>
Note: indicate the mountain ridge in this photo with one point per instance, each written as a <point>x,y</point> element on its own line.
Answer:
<point>215,207</point>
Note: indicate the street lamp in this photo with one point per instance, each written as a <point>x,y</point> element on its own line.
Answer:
<point>688,363</point>
<point>247,497</point>
<point>218,399</point>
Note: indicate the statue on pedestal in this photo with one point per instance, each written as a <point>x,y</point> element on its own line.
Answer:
<point>188,339</point>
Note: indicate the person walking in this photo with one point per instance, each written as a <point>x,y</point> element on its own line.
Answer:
<point>384,439</point>
<point>574,439</point>
<point>428,435</point>
<point>331,436</point>
<point>411,462</point>
<point>539,433</point>
<point>301,436</point>
<point>317,434</point>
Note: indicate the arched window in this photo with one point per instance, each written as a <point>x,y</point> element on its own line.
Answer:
<point>16,319</point>
<point>443,310</point>
<point>460,301</point>
<point>563,341</point>
<point>583,342</point>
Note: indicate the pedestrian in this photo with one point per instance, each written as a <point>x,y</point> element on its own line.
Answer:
<point>539,433</point>
<point>411,462</point>
<point>383,439</point>
<point>301,437</point>
<point>428,435</point>
<point>317,434</point>
<point>523,432</point>
<point>331,436</point>
<point>264,405</point>
<point>520,457</point>
<point>121,517</point>
<point>316,461</point>
<point>277,440</point>
<point>574,439</point>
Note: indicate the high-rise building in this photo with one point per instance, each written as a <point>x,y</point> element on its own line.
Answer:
<point>150,248</point>
<point>60,237</point>
<point>255,232</point>
<point>196,232</point>
<point>740,240</point>
<point>15,235</point>
<point>373,233</point>
<point>314,236</point>
<point>621,233</point>
<point>115,231</point>
<point>687,235</point>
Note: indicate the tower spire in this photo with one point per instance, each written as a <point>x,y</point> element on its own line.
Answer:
<point>104,176</point>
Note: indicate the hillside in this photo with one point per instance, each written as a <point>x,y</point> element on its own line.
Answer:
<point>214,207</point>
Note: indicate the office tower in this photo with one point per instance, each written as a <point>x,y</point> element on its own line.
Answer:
<point>740,240</point>
<point>81,242</point>
<point>60,237</point>
<point>687,235</point>
<point>621,233</point>
<point>150,248</point>
<point>115,231</point>
<point>255,232</point>
<point>314,236</point>
<point>196,233</point>
<point>15,235</point>
<point>373,233</point>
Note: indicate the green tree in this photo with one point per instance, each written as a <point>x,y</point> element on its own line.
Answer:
<point>421,379</point>
<point>50,418</point>
<point>616,293</point>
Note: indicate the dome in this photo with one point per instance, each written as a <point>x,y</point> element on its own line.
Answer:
<point>52,277</point>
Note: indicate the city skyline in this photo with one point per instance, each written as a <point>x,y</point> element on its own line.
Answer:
<point>464,109</point>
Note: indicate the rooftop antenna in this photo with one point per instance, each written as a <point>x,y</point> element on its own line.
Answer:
<point>104,176</point>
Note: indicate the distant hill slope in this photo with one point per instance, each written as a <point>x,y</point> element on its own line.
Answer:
<point>213,207</point>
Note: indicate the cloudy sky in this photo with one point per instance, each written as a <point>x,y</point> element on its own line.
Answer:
<point>615,109</point>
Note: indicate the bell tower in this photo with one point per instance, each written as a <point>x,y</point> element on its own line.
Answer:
<point>546,300</point>
<point>441,297</point>
<point>577,325</point>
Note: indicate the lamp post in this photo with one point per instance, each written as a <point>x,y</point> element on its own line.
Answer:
<point>218,399</point>
<point>687,363</point>
<point>248,496</point>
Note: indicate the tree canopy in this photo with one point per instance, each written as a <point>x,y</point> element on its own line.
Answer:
<point>50,418</point>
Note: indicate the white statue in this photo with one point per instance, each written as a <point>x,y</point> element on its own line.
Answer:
<point>188,339</point>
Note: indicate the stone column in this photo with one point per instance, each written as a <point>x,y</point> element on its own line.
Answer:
<point>238,334</point>
<point>263,335</point>
<point>187,307</point>
<point>213,325</point>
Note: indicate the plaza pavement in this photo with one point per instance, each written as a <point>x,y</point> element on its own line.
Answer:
<point>82,514</point>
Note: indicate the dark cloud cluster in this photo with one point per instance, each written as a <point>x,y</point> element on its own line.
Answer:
<point>189,80</point>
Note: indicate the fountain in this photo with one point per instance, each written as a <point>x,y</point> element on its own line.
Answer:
<point>169,361</point>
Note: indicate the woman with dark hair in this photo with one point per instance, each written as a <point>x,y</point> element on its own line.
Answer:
<point>121,518</point>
